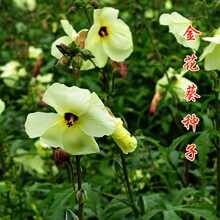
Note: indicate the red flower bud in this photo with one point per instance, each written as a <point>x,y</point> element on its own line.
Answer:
<point>61,156</point>
<point>119,69</point>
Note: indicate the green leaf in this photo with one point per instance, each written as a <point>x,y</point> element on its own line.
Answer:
<point>180,195</point>
<point>182,140</point>
<point>198,213</point>
<point>170,214</point>
<point>115,210</point>
<point>161,148</point>
<point>70,215</point>
<point>203,145</point>
<point>151,214</point>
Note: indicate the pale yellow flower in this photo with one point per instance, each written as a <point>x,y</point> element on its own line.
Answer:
<point>34,52</point>
<point>211,53</point>
<point>178,26</point>
<point>25,4</point>
<point>71,36</point>
<point>179,83</point>
<point>108,37</point>
<point>80,117</point>
<point>179,86</point>
<point>126,142</point>
<point>11,72</point>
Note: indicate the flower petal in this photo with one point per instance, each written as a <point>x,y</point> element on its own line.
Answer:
<point>76,142</point>
<point>54,50</point>
<point>67,99</point>
<point>38,123</point>
<point>177,26</point>
<point>96,121</point>
<point>94,44</point>
<point>215,39</point>
<point>53,136</point>
<point>105,15</point>
<point>207,50</point>
<point>212,59</point>
<point>118,45</point>
<point>67,27</point>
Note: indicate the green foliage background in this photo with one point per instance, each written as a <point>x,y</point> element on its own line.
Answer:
<point>165,185</point>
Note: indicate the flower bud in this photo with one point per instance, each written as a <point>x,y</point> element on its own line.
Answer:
<point>119,69</point>
<point>63,61</point>
<point>37,66</point>
<point>61,156</point>
<point>123,138</point>
<point>86,54</point>
<point>81,197</point>
<point>77,62</point>
<point>63,48</point>
<point>212,113</point>
<point>213,75</point>
<point>141,205</point>
<point>155,102</point>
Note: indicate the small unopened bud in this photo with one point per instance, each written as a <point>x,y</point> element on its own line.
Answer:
<point>119,69</point>
<point>155,102</point>
<point>87,54</point>
<point>63,61</point>
<point>37,66</point>
<point>77,62</point>
<point>61,156</point>
<point>141,205</point>
<point>64,49</point>
<point>213,75</point>
<point>72,10</point>
<point>81,197</point>
<point>212,113</point>
<point>93,3</point>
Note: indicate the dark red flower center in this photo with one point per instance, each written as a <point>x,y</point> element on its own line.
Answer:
<point>103,31</point>
<point>70,118</point>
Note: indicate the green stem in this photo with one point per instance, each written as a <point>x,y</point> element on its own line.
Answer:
<point>79,182</point>
<point>87,16</point>
<point>129,191</point>
<point>70,166</point>
<point>207,15</point>
<point>156,51</point>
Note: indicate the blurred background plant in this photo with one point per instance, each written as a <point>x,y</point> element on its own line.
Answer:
<point>165,185</point>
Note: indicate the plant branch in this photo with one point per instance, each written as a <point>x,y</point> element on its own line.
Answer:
<point>129,191</point>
